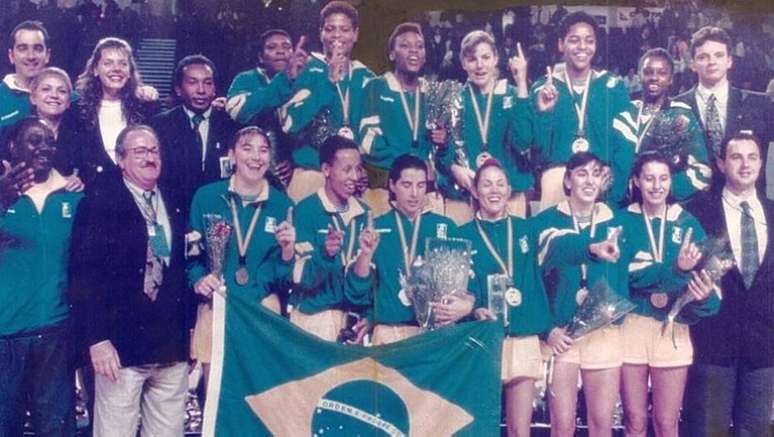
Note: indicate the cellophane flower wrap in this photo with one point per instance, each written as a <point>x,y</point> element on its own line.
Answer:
<point>601,308</point>
<point>216,238</point>
<point>444,272</point>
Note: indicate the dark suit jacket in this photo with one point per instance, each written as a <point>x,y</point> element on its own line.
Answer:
<point>746,110</point>
<point>181,154</point>
<point>744,327</point>
<point>94,165</point>
<point>108,256</point>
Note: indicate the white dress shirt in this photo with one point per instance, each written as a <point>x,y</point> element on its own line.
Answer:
<point>733,215</point>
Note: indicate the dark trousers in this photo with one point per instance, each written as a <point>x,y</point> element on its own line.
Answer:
<point>717,395</point>
<point>35,373</point>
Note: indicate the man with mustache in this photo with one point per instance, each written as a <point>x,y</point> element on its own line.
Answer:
<point>336,238</point>
<point>327,97</point>
<point>256,94</point>
<point>575,106</point>
<point>36,220</point>
<point>129,287</point>
<point>655,119</point>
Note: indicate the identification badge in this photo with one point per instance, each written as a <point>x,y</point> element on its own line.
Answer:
<point>441,230</point>
<point>66,211</point>
<point>158,241</point>
<point>677,235</point>
<point>524,244</point>
<point>225,167</point>
<point>271,225</point>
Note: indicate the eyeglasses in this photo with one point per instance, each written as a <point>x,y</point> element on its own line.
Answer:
<point>144,152</point>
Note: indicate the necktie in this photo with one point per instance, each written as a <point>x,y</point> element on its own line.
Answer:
<point>749,241</point>
<point>713,125</point>
<point>197,120</point>
<point>153,264</point>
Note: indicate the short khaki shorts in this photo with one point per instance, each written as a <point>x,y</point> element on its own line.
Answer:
<point>600,349</point>
<point>644,344</point>
<point>521,358</point>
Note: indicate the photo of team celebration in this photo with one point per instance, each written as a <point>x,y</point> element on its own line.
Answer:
<point>522,220</point>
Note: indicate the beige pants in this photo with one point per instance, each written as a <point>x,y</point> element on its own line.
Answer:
<point>158,391</point>
<point>304,183</point>
<point>552,187</point>
<point>325,324</point>
<point>386,334</point>
<point>201,340</point>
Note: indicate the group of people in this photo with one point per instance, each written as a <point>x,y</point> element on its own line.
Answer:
<point>330,179</point>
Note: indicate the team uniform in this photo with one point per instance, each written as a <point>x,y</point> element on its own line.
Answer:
<point>322,289</point>
<point>508,137</point>
<point>632,135</point>
<point>316,106</point>
<point>400,246</point>
<point>388,129</point>
<point>14,101</point>
<point>557,132</point>
<point>563,251</point>
<point>267,274</point>
<point>528,312</point>
<point>655,282</point>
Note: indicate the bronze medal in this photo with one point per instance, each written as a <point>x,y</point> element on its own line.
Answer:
<point>513,296</point>
<point>482,158</point>
<point>659,300</point>
<point>581,295</point>
<point>346,132</point>
<point>580,145</point>
<point>241,276</point>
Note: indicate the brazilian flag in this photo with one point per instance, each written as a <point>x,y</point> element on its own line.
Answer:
<point>270,378</point>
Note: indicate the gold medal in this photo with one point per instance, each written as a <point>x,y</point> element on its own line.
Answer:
<point>659,300</point>
<point>581,295</point>
<point>346,132</point>
<point>513,296</point>
<point>482,158</point>
<point>241,276</point>
<point>580,145</point>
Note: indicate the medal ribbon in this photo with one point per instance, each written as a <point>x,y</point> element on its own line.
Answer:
<point>344,99</point>
<point>408,256</point>
<point>413,123</point>
<point>243,241</point>
<point>351,244</point>
<point>488,243</point>
<point>641,135</point>
<point>483,125</point>
<point>658,250</point>
<point>579,110</point>
<point>585,268</point>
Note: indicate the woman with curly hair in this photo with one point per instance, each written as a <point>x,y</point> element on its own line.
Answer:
<point>111,97</point>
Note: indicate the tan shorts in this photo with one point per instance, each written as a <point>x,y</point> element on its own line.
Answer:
<point>201,340</point>
<point>386,334</point>
<point>325,324</point>
<point>552,187</point>
<point>601,349</point>
<point>304,183</point>
<point>521,358</point>
<point>644,344</point>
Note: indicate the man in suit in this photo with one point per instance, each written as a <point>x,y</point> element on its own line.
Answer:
<point>723,109</point>
<point>734,352</point>
<point>194,135</point>
<point>129,289</point>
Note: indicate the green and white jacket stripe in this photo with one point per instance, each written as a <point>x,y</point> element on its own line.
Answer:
<point>313,92</point>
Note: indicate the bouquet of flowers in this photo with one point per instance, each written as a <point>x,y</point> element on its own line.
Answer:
<point>216,238</point>
<point>321,129</point>
<point>444,272</point>
<point>601,308</point>
<point>671,135</point>
<point>718,259</point>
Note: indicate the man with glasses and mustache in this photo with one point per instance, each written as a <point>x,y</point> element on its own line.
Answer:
<point>129,287</point>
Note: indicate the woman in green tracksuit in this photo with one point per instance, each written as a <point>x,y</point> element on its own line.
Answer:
<point>505,247</point>
<point>662,256</point>
<point>496,122</point>
<point>260,251</point>
<point>578,250</point>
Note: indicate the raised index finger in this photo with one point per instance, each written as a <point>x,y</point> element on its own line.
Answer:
<point>300,43</point>
<point>519,51</point>
<point>289,220</point>
<point>549,76</point>
<point>687,239</point>
<point>370,221</point>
